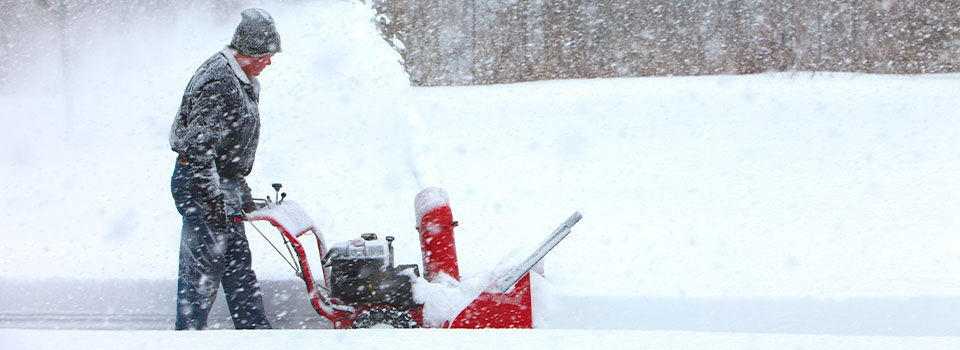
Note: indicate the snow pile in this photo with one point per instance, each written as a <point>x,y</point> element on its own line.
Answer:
<point>542,298</point>
<point>446,297</point>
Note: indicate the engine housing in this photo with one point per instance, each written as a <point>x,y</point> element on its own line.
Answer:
<point>363,274</point>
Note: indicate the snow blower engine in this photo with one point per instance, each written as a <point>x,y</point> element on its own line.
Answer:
<point>363,274</point>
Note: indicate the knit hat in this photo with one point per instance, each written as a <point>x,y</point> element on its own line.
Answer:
<point>256,35</point>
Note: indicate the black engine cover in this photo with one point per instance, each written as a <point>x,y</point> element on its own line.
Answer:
<point>361,279</point>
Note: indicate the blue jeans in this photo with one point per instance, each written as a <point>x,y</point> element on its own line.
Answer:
<point>209,259</point>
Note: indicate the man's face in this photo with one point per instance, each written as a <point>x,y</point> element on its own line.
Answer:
<point>253,65</point>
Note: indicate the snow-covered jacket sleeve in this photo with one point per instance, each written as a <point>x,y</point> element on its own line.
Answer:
<point>204,132</point>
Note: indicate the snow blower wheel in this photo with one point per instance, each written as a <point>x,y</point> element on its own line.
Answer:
<point>384,317</point>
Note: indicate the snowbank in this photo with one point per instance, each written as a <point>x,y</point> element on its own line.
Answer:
<point>784,185</point>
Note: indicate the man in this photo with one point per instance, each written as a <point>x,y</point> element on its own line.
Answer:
<point>215,135</point>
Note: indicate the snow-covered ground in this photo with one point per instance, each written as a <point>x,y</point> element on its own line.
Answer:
<point>823,205</point>
<point>454,339</point>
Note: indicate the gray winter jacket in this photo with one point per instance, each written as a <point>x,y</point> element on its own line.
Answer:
<point>217,130</point>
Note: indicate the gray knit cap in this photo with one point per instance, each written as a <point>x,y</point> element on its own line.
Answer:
<point>256,36</point>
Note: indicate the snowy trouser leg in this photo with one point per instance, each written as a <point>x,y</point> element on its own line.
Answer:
<point>240,283</point>
<point>201,265</point>
<point>208,259</point>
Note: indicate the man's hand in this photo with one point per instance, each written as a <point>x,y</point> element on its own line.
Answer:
<point>250,206</point>
<point>246,198</point>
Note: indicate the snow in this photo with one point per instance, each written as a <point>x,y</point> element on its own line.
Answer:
<point>706,201</point>
<point>288,214</point>
<point>445,298</point>
<point>454,339</point>
<point>428,200</point>
<point>458,339</point>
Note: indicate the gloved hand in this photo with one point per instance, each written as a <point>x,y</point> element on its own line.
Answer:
<point>248,205</point>
<point>215,215</point>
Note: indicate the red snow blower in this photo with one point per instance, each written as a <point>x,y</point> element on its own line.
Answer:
<point>361,287</point>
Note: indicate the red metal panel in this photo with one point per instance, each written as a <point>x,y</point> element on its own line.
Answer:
<point>499,310</point>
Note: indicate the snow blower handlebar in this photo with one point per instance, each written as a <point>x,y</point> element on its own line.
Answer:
<point>265,202</point>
